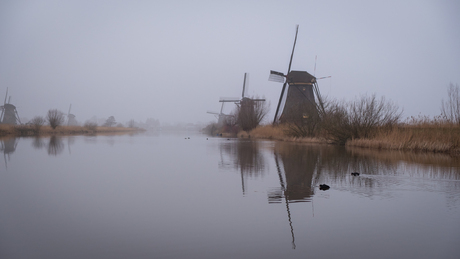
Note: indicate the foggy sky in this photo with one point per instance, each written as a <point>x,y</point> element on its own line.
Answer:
<point>174,60</point>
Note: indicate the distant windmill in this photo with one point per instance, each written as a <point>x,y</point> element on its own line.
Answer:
<point>246,107</point>
<point>71,121</point>
<point>221,117</point>
<point>9,113</point>
<point>300,98</point>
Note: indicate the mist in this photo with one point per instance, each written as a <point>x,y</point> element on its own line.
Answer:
<point>173,60</point>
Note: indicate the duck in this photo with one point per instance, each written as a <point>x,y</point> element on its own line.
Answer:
<point>324,187</point>
<point>355,173</point>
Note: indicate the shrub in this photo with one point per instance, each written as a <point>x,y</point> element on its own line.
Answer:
<point>90,125</point>
<point>249,114</point>
<point>359,118</point>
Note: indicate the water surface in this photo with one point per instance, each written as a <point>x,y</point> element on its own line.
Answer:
<point>183,195</point>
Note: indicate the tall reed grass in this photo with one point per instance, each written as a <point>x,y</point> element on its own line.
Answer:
<point>29,130</point>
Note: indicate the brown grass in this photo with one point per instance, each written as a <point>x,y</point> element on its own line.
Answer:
<point>277,132</point>
<point>422,137</point>
<point>23,130</point>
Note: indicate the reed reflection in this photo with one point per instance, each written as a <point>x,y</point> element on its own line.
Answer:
<point>8,146</point>
<point>245,156</point>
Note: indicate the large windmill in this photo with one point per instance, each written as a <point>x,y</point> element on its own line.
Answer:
<point>247,114</point>
<point>71,121</point>
<point>9,113</point>
<point>300,98</point>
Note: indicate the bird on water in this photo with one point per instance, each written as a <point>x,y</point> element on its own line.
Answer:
<point>324,187</point>
<point>355,173</point>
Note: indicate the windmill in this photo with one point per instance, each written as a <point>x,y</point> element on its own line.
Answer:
<point>71,121</point>
<point>9,113</point>
<point>247,115</point>
<point>300,98</point>
<point>221,117</point>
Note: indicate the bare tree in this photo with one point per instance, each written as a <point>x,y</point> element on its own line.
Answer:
<point>359,118</point>
<point>37,122</point>
<point>450,109</point>
<point>249,114</point>
<point>55,118</point>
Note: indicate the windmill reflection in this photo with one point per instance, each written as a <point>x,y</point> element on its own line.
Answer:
<point>245,156</point>
<point>8,146</point>
<point>300,165</point>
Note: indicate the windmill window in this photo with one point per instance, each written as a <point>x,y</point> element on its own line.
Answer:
<point>303,88</point>
<point>305,116</point>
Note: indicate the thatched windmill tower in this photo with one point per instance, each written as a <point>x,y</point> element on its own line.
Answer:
<point>9,113</point>
<point>247,112</point>
<point>299,102</point>
<point>71,121</point>
<point>221,117</point>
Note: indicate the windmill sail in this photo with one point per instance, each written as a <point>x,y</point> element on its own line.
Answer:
<point>289,70</point>
<point>276,76</point>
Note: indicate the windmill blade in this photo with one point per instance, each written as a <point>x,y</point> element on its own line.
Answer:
<point>212,113</point>
<point>69,109</point>
<point>276,76</point>
<point>229,100</point>
<point>1,116</point>
<point>222,108</point>
<point>323,77</point>
<point>17,116</point>
<point>320,106</point>
<point>244,84</point>
<point>6,96</point>
<point>289,70</point>
<point>314,71</point>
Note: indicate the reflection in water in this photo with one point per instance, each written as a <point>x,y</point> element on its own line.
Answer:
<point>302,168</point>
<point>246,156</point>
<point>38,142</point>
<point>8,146</point>
<point>55,146</point>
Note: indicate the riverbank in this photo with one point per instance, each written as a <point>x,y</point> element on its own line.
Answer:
<point>26,130</point>
<point>417,138</point>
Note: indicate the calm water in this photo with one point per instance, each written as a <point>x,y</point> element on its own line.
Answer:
<point>164,196</point>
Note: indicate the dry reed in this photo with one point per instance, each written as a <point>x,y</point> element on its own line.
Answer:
<point>26,130</point>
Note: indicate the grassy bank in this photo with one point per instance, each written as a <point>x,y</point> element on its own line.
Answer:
<point>277,133</point>
<point>25,130</point>
<point>438,138</point>
<point>441,138</point>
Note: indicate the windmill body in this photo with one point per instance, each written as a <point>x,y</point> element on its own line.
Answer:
<point>71,121</point>
<point>9,113</point>
<point>248,118</point>
<point>300,99</point>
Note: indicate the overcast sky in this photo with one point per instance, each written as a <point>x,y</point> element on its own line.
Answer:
<point>174,60</point>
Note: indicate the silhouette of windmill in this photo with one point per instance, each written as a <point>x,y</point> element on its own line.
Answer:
<point>9,113</point>
<point>246,106</point>
<point>71,121</point>
<point>300,97</point>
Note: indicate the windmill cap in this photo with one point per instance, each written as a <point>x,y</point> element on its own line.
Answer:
<point>300,77</point>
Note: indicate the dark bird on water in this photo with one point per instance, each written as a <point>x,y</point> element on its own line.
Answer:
<point>324,187</point>
<point>355,173</point>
